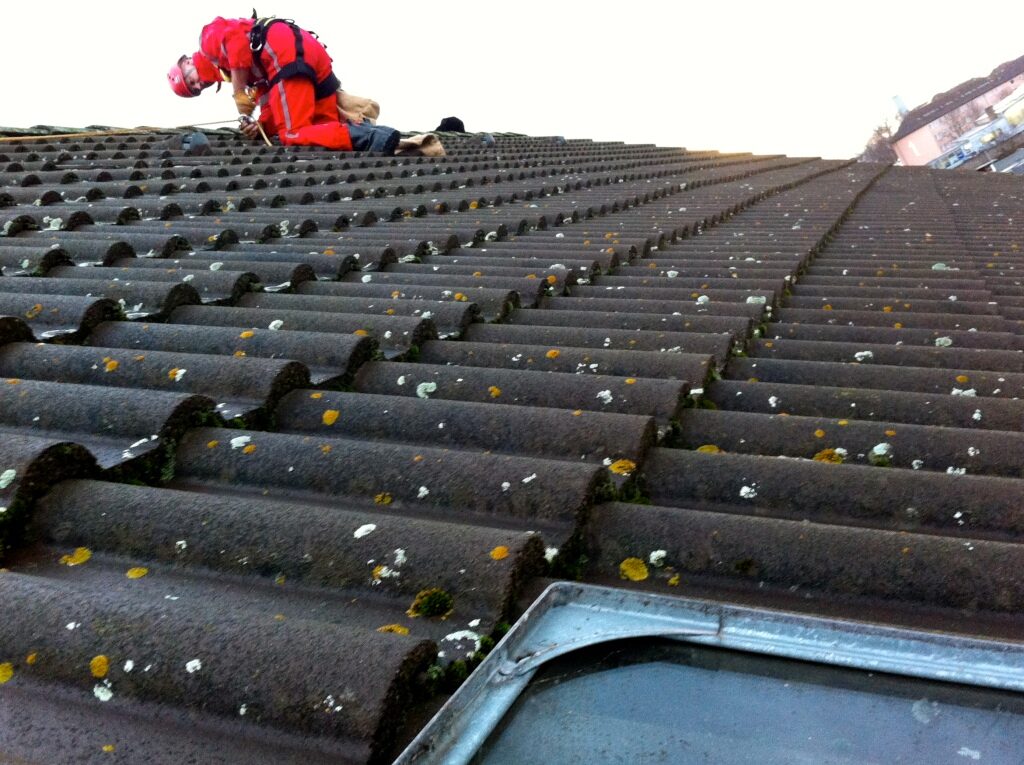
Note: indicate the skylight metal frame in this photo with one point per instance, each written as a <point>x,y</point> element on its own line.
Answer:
<point>569,616</point>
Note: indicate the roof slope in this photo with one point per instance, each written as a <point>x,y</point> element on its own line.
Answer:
<point>954,98</point>
<point>285,434</point>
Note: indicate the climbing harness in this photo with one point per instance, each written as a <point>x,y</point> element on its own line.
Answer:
<point>299,67</point>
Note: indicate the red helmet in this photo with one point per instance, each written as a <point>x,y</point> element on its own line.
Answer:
<point>176,78</point>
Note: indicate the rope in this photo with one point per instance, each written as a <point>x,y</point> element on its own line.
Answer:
<point>100,133</point>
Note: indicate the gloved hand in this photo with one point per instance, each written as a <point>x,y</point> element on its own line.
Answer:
<point>244,103</point>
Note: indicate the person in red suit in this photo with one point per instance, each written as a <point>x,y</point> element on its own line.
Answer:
<point>283,68</point>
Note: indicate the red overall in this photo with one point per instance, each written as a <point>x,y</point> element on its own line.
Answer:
<point>290,107</point>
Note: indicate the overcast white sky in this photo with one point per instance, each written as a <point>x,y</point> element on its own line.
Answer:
<point>782,76</point>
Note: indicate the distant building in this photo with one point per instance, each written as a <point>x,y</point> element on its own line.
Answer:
<point>931,130</point>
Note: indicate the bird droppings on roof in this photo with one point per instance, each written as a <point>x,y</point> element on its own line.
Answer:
<point>286,433</point>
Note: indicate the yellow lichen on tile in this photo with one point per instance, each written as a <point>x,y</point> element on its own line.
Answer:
<point>551,279</point>
<point>32,658</point>
<point>395,629</point>
<point>330,416</point>
<point>329,251</point>
<point>630,381</point>
<point>674,581</point>
<point>622,467</point>
<point>553,353</point>
<point>962,379</point>
<point>390,312</point>
<point>460,297</point>
<point>247,334</point>
<point>110,365</point>
<point>108,748</point>
<point>396,294</point>
<point>499,553</point>
<point>478,274</point>
<point>326,448</point>
<point>13,381</point>
<point>239,354</point>
<point>826,307</point>
<point>843,423</point>
<point>819,433</point>
<point>99,666</point>
<point>418,458</point>
<point>633,569</point>
<point>384,498</point>
<point>137,572</point>
<point>890,433</point>
<point>76,558</point>
<point>887,309</point>
<point>34,311</point>
<point>577,413</point>
<point>316,395</point>
<point>830,456</point>
<point>361,333</point>
<point>709,449</point>
<point>6,672</point>
<point>248,448</point>
<point>495,391</point>
<point>212,444</point>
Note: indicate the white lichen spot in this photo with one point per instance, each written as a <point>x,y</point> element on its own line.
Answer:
<point>7,477</point>
<point>773,401</point>
<point>748,492</point>
<point>864,355</point>
<point>703,300</point>
<point>275,325</point>
<point>364,530</point>
<point>956,471</point>
<point>400,380</point>
<point>72,626</point>
<point>102,691</point>
<point>423,492</point>
<point>917,464</point>
<point>976,416</point>
<point>367,278</point>
<point>505,486</point>
<point>605,396</point>
<point>671,274</point>
<point>239,442</point>
<point>473,624</point>
<point>657,558</point>
<point>972,754</point>
<point>943,342</point>
<point>243,709</point>
<point>177,374</point>
<point>961,392</point>
<point>423,390</point>
<point>530,477</point>
<point>757,300</point>
<point>193,666</point>
<point>216,266</point>
<point>464,636</point>
<point>882,450</point>
<point>973,451</point>
<point>550,553</point>
<point>129,665</point>
<point>180,545</point>
<point>400,557</point>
